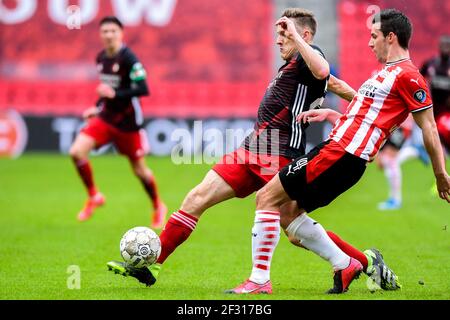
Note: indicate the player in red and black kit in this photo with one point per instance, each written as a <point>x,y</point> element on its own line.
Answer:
<point>116,119</point>
<point>300,85</point>
<point>437,72</point>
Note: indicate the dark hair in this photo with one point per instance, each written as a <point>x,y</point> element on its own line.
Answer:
<point>396,22</point>
<point>111,19</point>
<point>303,18</point>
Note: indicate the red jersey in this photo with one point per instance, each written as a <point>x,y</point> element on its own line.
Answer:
<point>382,104</point>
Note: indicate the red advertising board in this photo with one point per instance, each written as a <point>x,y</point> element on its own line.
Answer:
<point>203,58</point>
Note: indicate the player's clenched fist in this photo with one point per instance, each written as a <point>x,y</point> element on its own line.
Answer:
<point>316,115</point>
<point>288,26</point>
<point>319,115</point>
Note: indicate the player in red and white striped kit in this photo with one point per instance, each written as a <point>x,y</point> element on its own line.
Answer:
<point>277,139</point>
<point>381,105</point>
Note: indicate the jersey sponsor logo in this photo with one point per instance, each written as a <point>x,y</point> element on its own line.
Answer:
<point>420,95</point>
<point>111,80</point>
<point>298,165</point>
<point>415,81</point>
<point>368,90</point>
<point>275,80</point>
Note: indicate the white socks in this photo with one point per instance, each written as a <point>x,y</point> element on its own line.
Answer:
<point>393,173</point>
<point>407,153</point>
<point>266,234</point>
<point>314,237</point>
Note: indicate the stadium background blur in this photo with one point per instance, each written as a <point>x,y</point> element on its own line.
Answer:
<point>206,61</point>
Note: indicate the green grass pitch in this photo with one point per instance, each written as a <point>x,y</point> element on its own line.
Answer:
<point>40,238</point>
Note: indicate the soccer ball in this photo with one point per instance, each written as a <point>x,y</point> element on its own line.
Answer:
<point>140,247</point>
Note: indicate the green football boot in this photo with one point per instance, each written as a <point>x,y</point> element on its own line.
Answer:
<point>145,275</point>
<point>380,275</point>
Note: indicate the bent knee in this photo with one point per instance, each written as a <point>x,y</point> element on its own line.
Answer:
<point>197,201</point>
<point>267,199</point>
<point>262,197</point>
<point>140,172</point>
<point>198,197</point>
<point>77,153</point>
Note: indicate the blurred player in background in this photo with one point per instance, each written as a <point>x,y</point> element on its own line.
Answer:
<point>117,118</point>
<point>388,160</point>
<point>405,143</point>
<point>437,72</point>
<point>300,85</point>
<point>382,104</point>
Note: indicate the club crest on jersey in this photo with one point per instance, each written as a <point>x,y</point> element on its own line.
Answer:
<point>420,96</point>
<point>115,67</point>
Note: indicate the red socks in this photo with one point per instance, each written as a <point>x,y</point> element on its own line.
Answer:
<point>349,249</point>
<point>177,230</point>
<point>181,224</point>
<point>152,190</point>
<point>85,171</point>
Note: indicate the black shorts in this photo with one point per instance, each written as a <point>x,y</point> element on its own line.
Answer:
<point>316,179</point>
<point>396,139</point>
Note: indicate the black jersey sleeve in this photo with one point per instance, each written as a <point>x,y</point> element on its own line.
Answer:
<point>138,78</point>
<point>301,61</point>
<point>305,72</point>
<point>318,50</point>
<point>137,89</point>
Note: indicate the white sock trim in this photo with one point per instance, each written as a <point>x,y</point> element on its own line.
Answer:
<point>314,237</point>
<point>262,215</point>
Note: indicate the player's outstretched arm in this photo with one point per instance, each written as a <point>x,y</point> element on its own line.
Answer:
<point>319,115</point>
<point>341,88</point>
<point>425,120</point>
<point>316,63</point>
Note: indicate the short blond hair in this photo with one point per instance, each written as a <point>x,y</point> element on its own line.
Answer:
<point>303,18</point>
